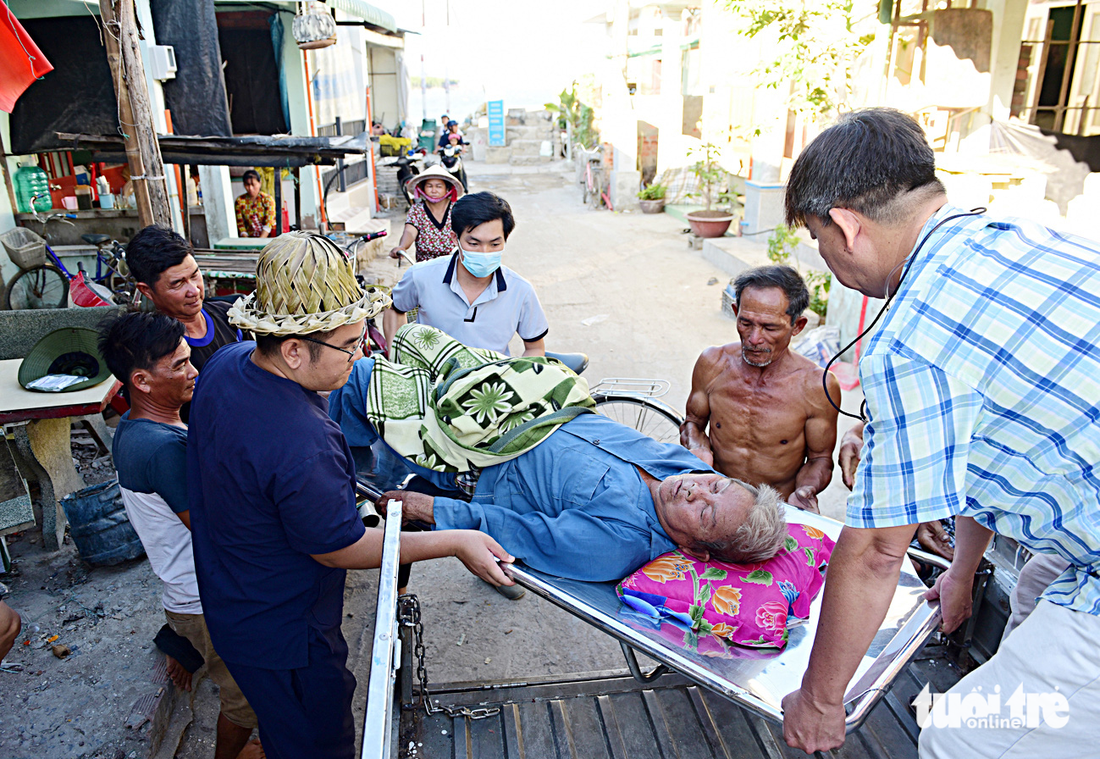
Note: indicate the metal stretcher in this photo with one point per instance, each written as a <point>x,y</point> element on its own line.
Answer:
<point>758,681</point>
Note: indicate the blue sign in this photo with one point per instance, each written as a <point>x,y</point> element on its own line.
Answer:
<point>496,123</point>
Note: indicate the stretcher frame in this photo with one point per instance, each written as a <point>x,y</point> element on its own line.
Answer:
<point>756,682</point>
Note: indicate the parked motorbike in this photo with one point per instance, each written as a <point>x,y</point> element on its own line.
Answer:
<point>406,168</point>
<point>450,156</point>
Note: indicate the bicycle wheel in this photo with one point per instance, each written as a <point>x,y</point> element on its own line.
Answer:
<point>649,417</point>
<point>42,287</point>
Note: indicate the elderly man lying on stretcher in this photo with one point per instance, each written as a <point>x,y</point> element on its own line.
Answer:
<point>568,491</point>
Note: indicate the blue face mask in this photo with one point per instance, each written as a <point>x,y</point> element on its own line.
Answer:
<point>481,264</point>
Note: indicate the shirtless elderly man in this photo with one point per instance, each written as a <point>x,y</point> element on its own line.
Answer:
<point>769,420</point>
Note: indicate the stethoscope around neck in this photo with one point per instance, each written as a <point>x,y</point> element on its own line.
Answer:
<point>862,416</point>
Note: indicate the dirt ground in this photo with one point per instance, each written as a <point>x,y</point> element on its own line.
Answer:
<point>624,288</point>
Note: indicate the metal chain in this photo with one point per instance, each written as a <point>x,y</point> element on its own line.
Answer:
<point>408,614</point>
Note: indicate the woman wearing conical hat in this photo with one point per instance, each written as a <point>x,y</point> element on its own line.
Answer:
<point>272,495</point>
<point>428,223</point>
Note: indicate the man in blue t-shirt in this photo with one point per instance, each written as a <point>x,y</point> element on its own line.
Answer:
<point>163,263</point>
<point>147,353</point>
<point>273,498</point>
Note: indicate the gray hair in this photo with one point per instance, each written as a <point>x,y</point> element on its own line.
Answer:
<point>782,277</point>
<point>875,161</point>
<point>759,537</point>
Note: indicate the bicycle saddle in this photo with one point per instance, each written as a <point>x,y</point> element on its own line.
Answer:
<point>578,362</point>
<point>95,239</point>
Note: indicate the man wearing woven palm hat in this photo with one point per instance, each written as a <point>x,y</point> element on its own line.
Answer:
<point>273,502</point>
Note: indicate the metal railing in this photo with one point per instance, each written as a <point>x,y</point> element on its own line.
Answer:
<point>358,126</point>
<point>386,650</point>
<point>355,172</point>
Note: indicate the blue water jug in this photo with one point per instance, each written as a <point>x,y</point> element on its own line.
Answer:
<point>32,190</point>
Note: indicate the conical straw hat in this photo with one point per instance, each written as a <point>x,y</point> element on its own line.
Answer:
<point>434,172</point>
<point>305,283</point>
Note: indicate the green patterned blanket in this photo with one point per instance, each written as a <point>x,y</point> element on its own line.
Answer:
<point>452,408</point>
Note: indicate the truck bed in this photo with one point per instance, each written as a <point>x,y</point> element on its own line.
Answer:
<point>616,717</point>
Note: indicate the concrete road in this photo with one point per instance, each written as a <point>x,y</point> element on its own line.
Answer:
<point>627,290</point>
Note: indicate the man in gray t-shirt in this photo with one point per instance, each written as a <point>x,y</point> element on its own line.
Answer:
<point>147,352</point>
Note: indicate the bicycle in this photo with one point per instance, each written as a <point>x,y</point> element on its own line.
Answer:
<point>595,191</point>
<point>43,280</point>
<point>631,401</point>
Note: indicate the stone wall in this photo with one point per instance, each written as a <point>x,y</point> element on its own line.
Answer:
<point>531,137</point>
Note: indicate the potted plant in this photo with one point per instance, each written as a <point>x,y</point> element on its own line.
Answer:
<point>709,222</point>
<point>652,198</point>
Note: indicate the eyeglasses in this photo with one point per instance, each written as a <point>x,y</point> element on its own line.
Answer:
<point>362,345</point>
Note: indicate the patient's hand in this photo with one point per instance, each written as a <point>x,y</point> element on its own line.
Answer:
<point>477,551</point>
<point>417,507</point>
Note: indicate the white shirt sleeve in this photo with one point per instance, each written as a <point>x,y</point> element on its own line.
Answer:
<point>532,321</point>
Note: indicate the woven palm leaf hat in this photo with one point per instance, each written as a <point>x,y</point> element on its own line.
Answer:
<point>305,283</point>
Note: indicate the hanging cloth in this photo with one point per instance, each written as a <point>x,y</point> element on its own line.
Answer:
<point>21,62</point>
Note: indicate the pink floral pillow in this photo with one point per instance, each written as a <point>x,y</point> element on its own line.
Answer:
<point>745,604</point>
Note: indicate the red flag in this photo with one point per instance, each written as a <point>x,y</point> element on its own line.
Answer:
<point>21,62</point>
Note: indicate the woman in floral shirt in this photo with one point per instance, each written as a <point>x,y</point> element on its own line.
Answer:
<point>428,222</point>
<point>255,209</point>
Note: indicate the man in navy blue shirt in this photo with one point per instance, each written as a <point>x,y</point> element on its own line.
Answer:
<point>272,499</point>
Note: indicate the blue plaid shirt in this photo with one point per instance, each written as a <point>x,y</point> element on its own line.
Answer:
<point>983,391</point>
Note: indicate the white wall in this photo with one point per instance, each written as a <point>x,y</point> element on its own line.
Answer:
<point>383,86</point>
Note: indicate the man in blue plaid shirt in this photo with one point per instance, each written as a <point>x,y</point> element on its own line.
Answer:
<point>983,402</point>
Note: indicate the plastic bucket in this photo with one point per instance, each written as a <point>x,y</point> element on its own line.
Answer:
<point>99,526</point>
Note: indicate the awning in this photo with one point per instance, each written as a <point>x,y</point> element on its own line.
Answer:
<point>283,151</point>
<point>367,12</point>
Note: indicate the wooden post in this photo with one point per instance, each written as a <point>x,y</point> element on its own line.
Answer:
<point>135,113</point>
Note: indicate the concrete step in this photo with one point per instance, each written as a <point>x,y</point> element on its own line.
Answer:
<point>526,147</point>
<point>498,155</point>
<point>541,132</point>
<point>734,255</point>
<point>528,160</point>
<point>354,218</point>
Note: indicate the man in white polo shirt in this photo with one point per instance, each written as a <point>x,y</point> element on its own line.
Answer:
<point>470,295</point>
